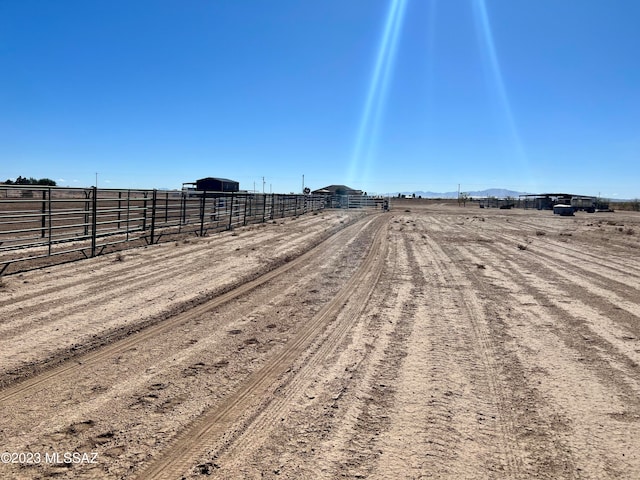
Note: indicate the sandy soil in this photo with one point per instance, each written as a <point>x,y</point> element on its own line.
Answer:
<point>428,342</point>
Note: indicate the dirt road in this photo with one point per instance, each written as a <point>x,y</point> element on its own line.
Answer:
<point>427,342</point>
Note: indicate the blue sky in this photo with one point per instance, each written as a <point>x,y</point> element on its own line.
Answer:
<point>381,95</point>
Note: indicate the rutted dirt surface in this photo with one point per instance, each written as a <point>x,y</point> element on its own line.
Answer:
<point>427,342</point>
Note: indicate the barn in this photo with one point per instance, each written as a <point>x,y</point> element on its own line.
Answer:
<point>212,184</point>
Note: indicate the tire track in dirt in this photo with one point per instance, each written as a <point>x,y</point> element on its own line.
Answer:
<point>604,294</point>
<point>107,332</point>
<point>609,305</point>
<point>574,299</point>
<point>161,385</point>
<point>571,394</point>
<point>523,452</point>
<point>362,376</point>
<point>571,247</point>
<point>207,429</point>
<point>256,432</point>
<point>586,250</point>
<point>492,406</point>
<point>122,272</point>
<point>622,285</point>
<point>411,398</point>
<point>334,429</point>
<point>78,265</point>
<point>538,316</point>
<point>622,271</point>
<point>571,258</point>
<point>125,274</point>
<point>330,430</point>
<point>582,290</point>
<point>371,410</point>
<point>119,346</point>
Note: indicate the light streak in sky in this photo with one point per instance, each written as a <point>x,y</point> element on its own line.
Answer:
<point>363,155</point>
<point>484,26</point>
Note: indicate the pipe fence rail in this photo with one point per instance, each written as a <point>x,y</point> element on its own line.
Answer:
<point>37,222</point>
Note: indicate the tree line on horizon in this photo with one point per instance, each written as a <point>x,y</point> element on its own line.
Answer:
<point>31,181</point>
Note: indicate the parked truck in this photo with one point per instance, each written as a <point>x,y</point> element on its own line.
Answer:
<point>587,204</point>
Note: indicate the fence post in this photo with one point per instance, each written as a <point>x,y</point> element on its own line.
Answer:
<point>87,195</point>
<point>231,212</point>
<point>50,220</point>
<point>202,199</point>
<point>166,207</point>
<point>271,215</point>
<point>44,209</point>
<point>154,196</point>
<point>128,211</point>
<point>94,221</point>
<point>264,206</point>
<point>244,222</point>
<point>183,208</point>
<point>119,209</point>
<point>144,211</point>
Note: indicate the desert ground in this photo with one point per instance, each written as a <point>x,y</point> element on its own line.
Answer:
<point>430,341</point>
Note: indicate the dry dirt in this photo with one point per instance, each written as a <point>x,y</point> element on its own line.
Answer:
<point>428,342</point>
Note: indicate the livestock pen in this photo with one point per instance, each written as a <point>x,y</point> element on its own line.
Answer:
<point>41,222</point>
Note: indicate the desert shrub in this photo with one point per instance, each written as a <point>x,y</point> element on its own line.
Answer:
<point>540,233</point>
<point>633,205</point>
<point>522,246</point>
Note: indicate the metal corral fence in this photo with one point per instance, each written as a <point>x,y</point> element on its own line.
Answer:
<point>38,222</point>
<point>355,201</point>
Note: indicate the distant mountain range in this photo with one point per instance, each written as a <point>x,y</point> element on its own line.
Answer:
<point>490,192</point>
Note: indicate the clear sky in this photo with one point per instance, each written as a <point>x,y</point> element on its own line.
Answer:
<point>381,95</point>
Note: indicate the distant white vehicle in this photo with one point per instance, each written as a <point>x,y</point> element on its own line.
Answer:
<point>189,192</point>
<point>564,210</point>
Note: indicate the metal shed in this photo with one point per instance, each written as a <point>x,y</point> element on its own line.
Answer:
<point>545,201</point>
<point>212,184</point>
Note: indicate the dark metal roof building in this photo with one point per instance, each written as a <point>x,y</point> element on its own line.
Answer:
<point>212,184</point>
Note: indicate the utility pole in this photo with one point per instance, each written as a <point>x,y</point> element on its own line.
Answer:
<point>263,185</point>
<point>303,183</point>
<point>96,179</point>
<point>458,194</point>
